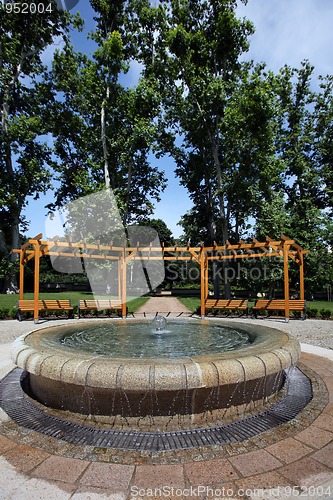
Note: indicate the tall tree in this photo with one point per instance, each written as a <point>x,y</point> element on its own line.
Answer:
<point>107,130</point>
<point>218,110</point>
<point>25,156</point>
<point>301,204</point>
<point>305,147</point>
<point>323,115</point>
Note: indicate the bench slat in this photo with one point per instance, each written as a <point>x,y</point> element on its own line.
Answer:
<point>225,303</point>
<point>98,304</point>
<point>280,305</point>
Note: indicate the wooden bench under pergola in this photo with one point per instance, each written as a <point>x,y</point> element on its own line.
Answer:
<point>285,248</point>
<point>226,305</point>
<point>45,305</point>
<point>99,305</point>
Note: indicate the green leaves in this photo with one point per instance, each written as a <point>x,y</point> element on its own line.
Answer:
<point>107,130</point>
<point>25,158</point>
<point>221,109</point>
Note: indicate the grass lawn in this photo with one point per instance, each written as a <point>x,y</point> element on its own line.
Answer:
<point>9,301</point>
<point>192,303</point>
<point>320,304</point>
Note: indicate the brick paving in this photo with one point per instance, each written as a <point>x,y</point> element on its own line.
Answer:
<point>295,457</point>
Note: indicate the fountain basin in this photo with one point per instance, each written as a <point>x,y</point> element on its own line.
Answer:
<point>156,392</point>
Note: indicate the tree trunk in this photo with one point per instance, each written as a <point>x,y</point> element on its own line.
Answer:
<point>215,264</point>
<point>225,262</point>
<point>128,192</point>
<point>10,281</point>
<point>104,142</point>
<point>10,284</point>
<point>212,236</point>
<point>224,216</point>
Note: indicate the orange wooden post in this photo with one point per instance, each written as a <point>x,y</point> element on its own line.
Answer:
<point>202,283</point>
<point>36,282</point>
<point>301,276</point>
<point>206,276</point>
<point>286,280</point>
<point>123,284</point>
<point>21,293</point>
<point>119,278</point>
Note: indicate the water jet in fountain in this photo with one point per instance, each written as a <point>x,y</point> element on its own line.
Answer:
<point>159,323</point>
<point>118,372</point>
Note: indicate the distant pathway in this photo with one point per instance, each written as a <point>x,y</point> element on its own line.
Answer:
<point>163,306</point>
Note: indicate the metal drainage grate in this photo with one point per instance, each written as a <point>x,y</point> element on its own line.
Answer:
<point>24,413</point>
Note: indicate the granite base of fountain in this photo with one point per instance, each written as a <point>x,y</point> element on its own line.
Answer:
<point>156,393</point>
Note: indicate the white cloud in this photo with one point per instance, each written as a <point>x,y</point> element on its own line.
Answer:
<point>289,31</point>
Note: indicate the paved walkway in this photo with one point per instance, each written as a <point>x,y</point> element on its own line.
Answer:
<point>163,305</point>
<point>293,460</point>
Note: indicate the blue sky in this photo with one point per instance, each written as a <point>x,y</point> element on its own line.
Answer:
<point>287,32</point>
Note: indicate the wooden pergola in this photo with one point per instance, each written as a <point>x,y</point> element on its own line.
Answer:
<point>286,248</point>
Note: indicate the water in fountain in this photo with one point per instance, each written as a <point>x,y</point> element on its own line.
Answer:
<point>141,339</point>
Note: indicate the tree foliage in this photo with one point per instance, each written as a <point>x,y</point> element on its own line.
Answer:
<point>253,149</point>
<point>303,138</point>
<point>218,113</point>
<point>25,156</point>
<point>107,130</point>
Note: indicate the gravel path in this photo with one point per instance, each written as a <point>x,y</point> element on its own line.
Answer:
<point>163,306</point>
<point>311,331</point>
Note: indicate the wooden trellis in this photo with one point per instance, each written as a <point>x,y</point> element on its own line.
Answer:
<point>286,248</point>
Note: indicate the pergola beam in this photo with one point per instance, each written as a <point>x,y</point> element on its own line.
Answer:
<point>285,248</point>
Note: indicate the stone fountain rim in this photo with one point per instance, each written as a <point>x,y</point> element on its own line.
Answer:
<point>272,355</point>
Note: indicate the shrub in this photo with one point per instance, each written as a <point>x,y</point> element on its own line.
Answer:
<point>198,310</point>
<point>4,312</point>
<point>311,312</point>
<point>325,313</point>
<point>13,313</point>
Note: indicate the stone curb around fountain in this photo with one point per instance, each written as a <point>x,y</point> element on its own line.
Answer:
<point>302,458</point>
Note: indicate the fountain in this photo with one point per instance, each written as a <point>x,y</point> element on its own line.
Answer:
<point>159,323</point>
<point>159,375</point>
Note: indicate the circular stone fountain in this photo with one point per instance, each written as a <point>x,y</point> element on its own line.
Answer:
<point>164,376</point>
